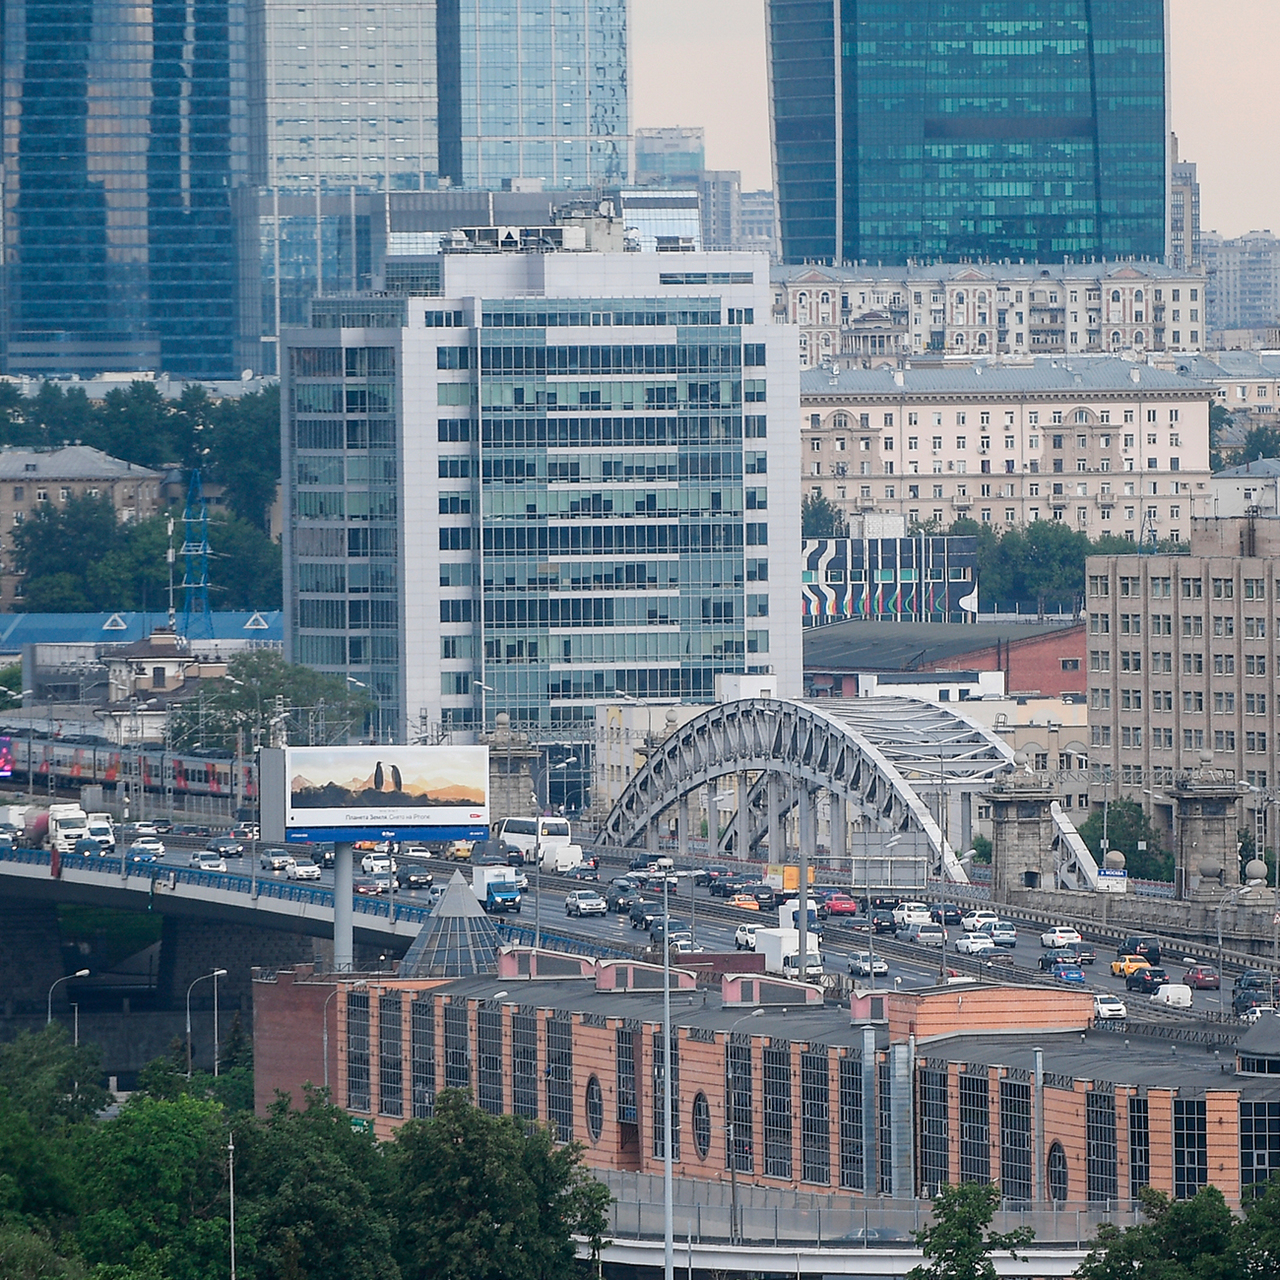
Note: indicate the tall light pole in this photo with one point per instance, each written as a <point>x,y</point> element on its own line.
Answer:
<point>733,1124</point>
<point>484,702</point>
<point>231,1187</point>
<point>537,846</point>
<point>79,973</point>
<point>668,1212</point>
<point>324,1019</point>
<point>215,975</point>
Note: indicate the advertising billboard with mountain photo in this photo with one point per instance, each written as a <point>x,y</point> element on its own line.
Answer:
<point>363,790</point>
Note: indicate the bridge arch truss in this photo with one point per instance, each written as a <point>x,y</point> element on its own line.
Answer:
<point>890,781</point>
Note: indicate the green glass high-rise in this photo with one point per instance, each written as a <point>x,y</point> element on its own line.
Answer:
<point>969,129</point>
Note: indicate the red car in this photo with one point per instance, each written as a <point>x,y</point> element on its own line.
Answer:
<point>840,904</point>
<point>1203,977</point>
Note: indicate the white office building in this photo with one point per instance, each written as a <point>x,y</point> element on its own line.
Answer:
<point>572,478</point>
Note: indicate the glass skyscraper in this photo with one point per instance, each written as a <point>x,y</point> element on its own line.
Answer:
<point>124,136</point>
<point>1021,129</point>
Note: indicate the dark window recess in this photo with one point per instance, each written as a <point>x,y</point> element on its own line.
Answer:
<point>1015,1140</point>
<point>626,1057</point>
<point>390,1055</point>
<point>935,1162</point>
<point>1139,1146</point>
<point>852,1136</point>
<point>358,1051</point>
<point>560,1076</point>
<point>1100,1138</point>
<point>659,1104</point>
<point>815,1117</point>
<point>739,1139</point>
<point>524,1065</point>
<point>595,1109</point>
<point>1190,1147</point>
<point>457,1047</point>
<point>975,1129</point>
<point>489,1076</point>
<point>422,1056</point>
<point>777,1112</point>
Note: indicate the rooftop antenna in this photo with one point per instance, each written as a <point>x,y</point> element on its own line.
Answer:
<point>195,554</point>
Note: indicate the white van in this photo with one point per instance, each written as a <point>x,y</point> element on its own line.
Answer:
<point>525,834</point>
<point>1176,995</point>
<point>906,913</point>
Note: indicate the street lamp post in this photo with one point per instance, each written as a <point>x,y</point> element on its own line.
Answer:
<point>733,1125</point>
<point>79,973</point>
<point>215,975</point>
<point>1232,895</point>
<point>668,1213</point>
<point>484,702</point>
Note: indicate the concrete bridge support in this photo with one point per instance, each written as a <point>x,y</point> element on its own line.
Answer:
<point>30,958</point>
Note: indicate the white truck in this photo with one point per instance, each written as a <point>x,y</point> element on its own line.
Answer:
<point>496,888</point>
<point>67,824</point>
<point>781,951</point>
<point>789,913</point>
<point>551,835</point>
<point>103,830</point>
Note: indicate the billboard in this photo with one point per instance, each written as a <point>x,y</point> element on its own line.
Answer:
<point>375,793</point>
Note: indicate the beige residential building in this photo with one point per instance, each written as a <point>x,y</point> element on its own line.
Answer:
<point>1105,445</point>
<point>30,478</point>
<point>1182,661</point>
<point>863,317</point>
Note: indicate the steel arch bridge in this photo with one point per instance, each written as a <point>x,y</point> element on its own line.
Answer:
<point>893,770</point>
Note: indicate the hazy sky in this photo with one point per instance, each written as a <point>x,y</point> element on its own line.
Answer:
<point>701,62</point>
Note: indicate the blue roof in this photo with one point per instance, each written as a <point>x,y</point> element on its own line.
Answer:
<point>17,629</point>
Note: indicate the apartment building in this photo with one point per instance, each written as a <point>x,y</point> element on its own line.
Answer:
<point>1104,445</point>
<point>32,478</point>
<point>1182,657</point>
<point>859,317</point>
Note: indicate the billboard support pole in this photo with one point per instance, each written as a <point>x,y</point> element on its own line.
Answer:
<point>343,888</point>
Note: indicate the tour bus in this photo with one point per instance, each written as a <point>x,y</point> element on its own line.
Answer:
<point>520,835</point>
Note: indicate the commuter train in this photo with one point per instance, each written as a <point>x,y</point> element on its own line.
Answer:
<point>147,767</point>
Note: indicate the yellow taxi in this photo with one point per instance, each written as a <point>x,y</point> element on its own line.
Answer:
<point>1128,965</point>
<point>745,901</point>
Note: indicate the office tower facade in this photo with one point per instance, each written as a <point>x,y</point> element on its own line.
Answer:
<point>1023,129</point>
<point>125,135</point>
<point>1184,211</point>
<point>568,478</point>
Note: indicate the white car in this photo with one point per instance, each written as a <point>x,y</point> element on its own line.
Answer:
<point>906,913</point>
<point>1252,1015</point>
<point>585,902</point>
<point>745,938</point>
<point>975,944</point>
<point>147,844</point>
<point>976,919</point>
<point>302,869</point>
<point>1059,936</point>
<point>1105,1006</point>
<point>275,860</point>
<point>686,947</point>
<point>862,964</point>
<point>374,863</point>
<point>208,860</point>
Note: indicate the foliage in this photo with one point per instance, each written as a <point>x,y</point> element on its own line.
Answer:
<point>982,850</point>
<point>153,1189</point>
<point>52,1081</point>
<point>246,701</point>
<point>1127,824</point>
<point>821,518</point>
<point>79,557</point>
<point>244,453</point>
<point>1259,442</point>
<point>959,1244</point>
<point>1258,1236</point>
<point>1219,420</point>
<point>10,685</point>
<point>1181,1240</point>
<point>28,1254</point>
<point>486,1198</point>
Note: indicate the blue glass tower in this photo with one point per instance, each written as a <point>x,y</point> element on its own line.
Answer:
<point>122,142</point>
<point>952,129</point>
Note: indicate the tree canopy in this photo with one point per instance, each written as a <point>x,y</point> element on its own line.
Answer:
<point>1127,826</point>
<point>821,518</point>
<point>959,1243</point>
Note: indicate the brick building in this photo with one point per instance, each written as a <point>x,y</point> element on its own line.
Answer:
<point>1044,658</point>
<point>902,1093</point>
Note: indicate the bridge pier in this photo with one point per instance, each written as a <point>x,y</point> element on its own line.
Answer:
<point>190,949</point>
<point>1206,819</point>
<point>1022,836</point>
<point>30,958</point>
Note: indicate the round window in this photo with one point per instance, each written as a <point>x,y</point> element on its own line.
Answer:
<point>1057,1172</point>
<point>701,1125</point>
<point>595,1109</point>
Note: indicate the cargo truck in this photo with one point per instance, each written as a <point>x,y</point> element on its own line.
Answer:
<point>496,889</point>
<point>781,951</point>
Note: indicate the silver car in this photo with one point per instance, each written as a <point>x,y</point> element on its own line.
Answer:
<point>585,902</point>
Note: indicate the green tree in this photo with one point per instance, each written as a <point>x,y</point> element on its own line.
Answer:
<point>153,1190</point>
<point>316,1195</point>
<point>244,452</point>
<point>486,1197</point>
<point>982,850</point>
<point>135,573</point>
<point>137,424</point>
<point>1258,1235</point>
<point>60,544</point>
<point>1181,1240</point>
<point>55,416</point>
<point>245,566</point>
<point>27,1254</point>
<point>1259,442</point>
<point>325,707</point>
<point>959,1243</point>
<point>1127,824</point>
<point>1219,420</point>
<point>50,1080</point>
<point>821,518</point>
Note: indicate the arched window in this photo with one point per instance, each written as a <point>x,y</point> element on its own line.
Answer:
<point>982,339</point>
<point>1058,1175</point>
<point>959,299</point>
<point>840,421</point>
<point>701,1125</point>
<point>826,299</point>
<point>595,1109</point>
<point>1115,339</point>
<point>826,341</point>
<point>1139,338</point>
<point>982,298</point>
<point>1115,295</point>
<point>1137,297</point>
<point>959,339</point>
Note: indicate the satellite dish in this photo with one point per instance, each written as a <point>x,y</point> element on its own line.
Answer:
<point>246,375</point>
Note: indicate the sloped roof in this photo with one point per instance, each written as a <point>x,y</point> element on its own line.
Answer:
<point>73,462</point>
<point>1262,1039</point>
<point>910,646</point>
<point>1259,467</point>
<point>457,941</point>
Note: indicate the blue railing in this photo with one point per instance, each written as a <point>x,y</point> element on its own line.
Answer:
<point>235,882</point>
<point>523,935</point>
